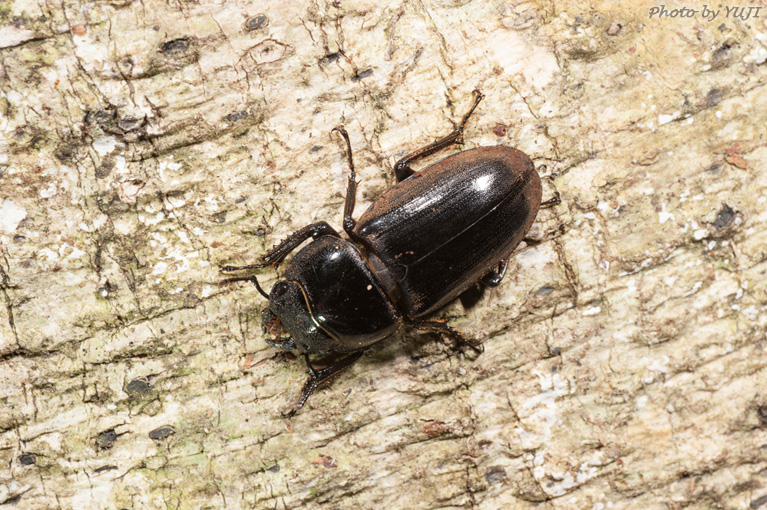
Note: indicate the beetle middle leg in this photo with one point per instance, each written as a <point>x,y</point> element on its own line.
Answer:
<point>402,168</point>
<point>444,327</point>
<point>320,377</point>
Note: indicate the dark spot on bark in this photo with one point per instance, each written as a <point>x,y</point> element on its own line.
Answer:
<point>721,56</point>
<point>725,217</point>
<point>138,387</point>
<point>544,291</point>
<point>161,433</point>
<point>19,238</point>
<point>102,469</point>
<point>330,57</point>
<point>714,168</point>
<point>128,124</point>
<point>101,117</point>
<point>11,501</point>
<point>234,117</point>
<point>713,97</point>
<point>723,28</point>
<point>240,200</point>
<point>175,47</point>
<point>257,22</point>
<point>27,459</point>
<point>274,469</point>
<point>106,290</point>
<point>758,502</point>
<point>495,475</point>
<point>106,439</point>
<point>219,217</point>
<point>362,75</point>
<point>556,351</point>
<point>105,168</point>
<point>614,28</point>
<point>315,148</point>
<point>761,412</point>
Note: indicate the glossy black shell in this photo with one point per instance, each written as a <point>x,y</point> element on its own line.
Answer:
<point>344,297</point>
<point>433,235</point>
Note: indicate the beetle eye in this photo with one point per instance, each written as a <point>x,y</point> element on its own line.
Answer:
<point>279,288</point>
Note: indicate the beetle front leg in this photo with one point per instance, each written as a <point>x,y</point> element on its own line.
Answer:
<point>444,327</point>
<point>279,252</point>
<point>319,377</point>
<point>402,168</point>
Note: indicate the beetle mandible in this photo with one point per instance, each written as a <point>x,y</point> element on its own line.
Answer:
<point>426,240</point>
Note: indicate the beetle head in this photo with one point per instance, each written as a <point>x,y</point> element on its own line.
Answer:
<point>288,322</point>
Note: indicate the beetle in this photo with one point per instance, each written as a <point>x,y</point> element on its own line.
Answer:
<point>426,240</point>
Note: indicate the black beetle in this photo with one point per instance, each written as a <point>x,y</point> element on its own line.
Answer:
<point>426,240</point>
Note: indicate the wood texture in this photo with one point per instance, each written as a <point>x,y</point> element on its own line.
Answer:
<point>145,143</point>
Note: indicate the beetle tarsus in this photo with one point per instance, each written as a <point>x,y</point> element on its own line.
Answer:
<point>229,269</point>
<point>461,341</point>
<point>402,168</point>
<point>318,377</point>
<point>555,200</point>
<point>250,278</point>
<point>493,278</point>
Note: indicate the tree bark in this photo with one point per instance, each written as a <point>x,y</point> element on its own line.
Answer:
<point>144,144</point>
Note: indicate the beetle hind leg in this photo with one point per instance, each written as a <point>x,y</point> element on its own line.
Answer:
<point>318,377</point>
<point>402,168</point>
<point>461,342</point>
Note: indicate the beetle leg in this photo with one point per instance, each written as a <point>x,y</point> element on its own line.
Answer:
<point>279,252</point>
<point>444,327</point>
<point>351,187</point>
<point>555,200</point>
<point>402,168</point>
<point>320,377</point>
<point>493,278</point>
<point>250,278</point>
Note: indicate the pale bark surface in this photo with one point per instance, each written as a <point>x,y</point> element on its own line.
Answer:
<point>146,143</point>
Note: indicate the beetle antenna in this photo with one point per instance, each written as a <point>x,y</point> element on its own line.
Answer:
<point>250,278</point>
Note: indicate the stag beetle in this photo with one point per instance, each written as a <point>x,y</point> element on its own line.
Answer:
<point>426,240</point>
